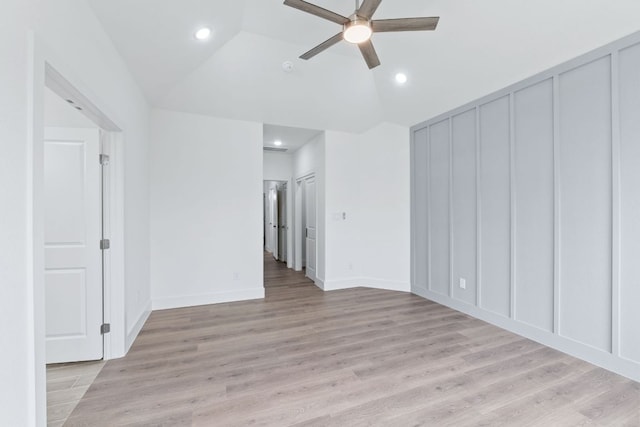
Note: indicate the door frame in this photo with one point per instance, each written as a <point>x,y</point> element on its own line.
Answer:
<point>283,199</point>
<point>299,239</point>
<point>45,69</point>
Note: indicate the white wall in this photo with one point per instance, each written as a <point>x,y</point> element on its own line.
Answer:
<point>277,166</point>
<point>206,210</point>
<point>367,208</point>
<point>17,370</point>
<point>91,64</point>
<point>531,195</point>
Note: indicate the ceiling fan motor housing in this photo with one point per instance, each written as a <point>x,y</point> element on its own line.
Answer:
<point>357,30</point>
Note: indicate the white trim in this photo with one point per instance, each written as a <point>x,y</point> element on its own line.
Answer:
<point>592,355</point>
<point>137,327</point>
<point>165,303</point>
<point>115,343</point>
<point>37,377</point>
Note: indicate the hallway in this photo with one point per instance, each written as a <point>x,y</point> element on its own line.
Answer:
<point>279,279</point>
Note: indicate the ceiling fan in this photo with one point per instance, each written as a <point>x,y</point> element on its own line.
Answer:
<point>359,27</point>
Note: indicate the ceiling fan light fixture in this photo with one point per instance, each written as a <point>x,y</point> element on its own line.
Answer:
<point>357,31</point>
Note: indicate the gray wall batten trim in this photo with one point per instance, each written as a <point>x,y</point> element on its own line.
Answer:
<point>513,213</point>
<point>412,204</point>
<point>556,204</point>
<point>615,203</point>
<point>451,241</point>
<point>478,214</point>
<point>428,183</point>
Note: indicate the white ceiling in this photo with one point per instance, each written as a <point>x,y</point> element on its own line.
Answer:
<point>291,138</point>
<point>479,47</point>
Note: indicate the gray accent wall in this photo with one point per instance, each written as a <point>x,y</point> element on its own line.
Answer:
<point>526,207</point>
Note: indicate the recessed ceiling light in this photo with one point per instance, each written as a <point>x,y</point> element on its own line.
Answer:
<point>277,143</point>
<point>401,78</point>
<point>203,33</point>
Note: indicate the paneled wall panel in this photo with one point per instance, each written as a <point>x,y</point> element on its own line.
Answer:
<point>585,204</point>
<point>555,194</point>
<point>464,205</point>
<point>420,237</point>
<point>439,279</point>
<point>495,215</point>
<point>534,251</point>
<point>630,203</point>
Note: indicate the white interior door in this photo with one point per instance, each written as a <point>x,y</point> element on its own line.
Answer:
<point>310,224</point>
<point>73,259</point>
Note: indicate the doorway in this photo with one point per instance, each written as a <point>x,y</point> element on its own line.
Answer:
<point>77,201</point>
<point>276,228</point>
<point>306,226</point>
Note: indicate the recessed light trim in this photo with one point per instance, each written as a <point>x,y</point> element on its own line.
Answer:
<point>203,33</point>
<point>401,78</point>
<point>277,143</point>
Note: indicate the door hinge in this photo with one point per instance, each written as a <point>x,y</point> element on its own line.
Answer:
<point>105,244</point>
<point>105,328</point>
<point>104,159</point>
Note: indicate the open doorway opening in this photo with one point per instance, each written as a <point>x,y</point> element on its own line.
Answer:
<point>306,226</point>
<point>276,221</point>
<point>74,188</point>
<point>290,158</point>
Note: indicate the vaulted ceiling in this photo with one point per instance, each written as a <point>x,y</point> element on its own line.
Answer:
<point>478,47</point>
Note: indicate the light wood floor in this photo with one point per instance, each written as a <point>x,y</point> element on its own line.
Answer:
<point>345,358</point>
<point>66,384</point>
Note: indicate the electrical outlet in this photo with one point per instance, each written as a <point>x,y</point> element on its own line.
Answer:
<point>463,283</point>
<point>236,275</point>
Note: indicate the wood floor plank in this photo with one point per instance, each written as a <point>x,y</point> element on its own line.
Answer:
<point>352,357</point>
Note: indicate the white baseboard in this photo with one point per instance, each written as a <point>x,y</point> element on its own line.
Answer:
<point>165,303</point>
<point>366,282</point>
<point>133,332</point>
<point>628,368</point>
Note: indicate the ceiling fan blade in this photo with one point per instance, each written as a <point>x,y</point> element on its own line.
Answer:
<point>404,24</point>
<point>317,11</point>
<point>369,54</point>
<point>368,8</point>
<point>322,46</point>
